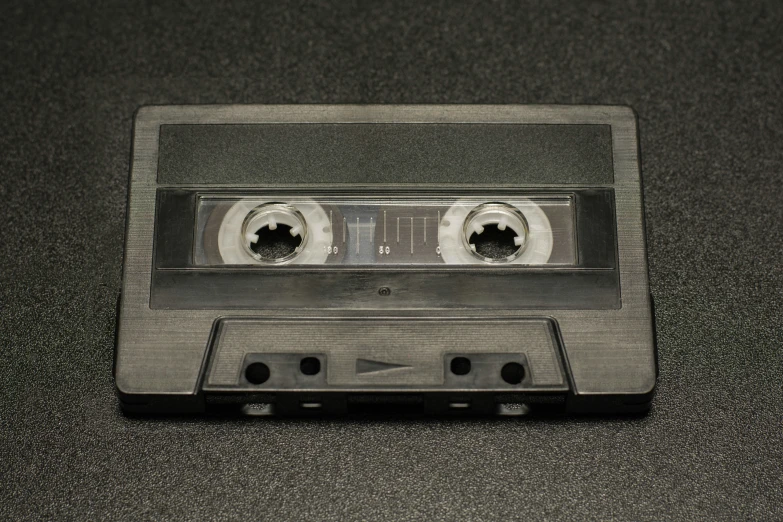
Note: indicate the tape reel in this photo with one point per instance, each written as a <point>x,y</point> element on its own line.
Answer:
<point>305,218</point>
<point>530,223</point>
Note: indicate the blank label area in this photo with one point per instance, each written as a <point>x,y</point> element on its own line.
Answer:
<point>478,154</point>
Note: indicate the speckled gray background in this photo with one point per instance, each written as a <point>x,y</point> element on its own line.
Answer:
<point>706,80</point>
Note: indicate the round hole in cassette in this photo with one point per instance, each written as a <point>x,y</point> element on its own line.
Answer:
<point>275,243</point>
<point>499,229</point>
<point>517,232</point>
<point>255,231</point>
<point>274,232</point>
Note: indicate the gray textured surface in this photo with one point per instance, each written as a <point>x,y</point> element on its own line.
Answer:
<point>705,79</point>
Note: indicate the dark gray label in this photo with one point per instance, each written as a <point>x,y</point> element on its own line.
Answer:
<point>476,154</point>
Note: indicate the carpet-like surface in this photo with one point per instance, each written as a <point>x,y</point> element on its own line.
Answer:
<point>706,81</point>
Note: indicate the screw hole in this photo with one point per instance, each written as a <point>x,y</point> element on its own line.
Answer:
<point>310,366</point>
<point>460,366</point>
<point>257,373</point>
<point>513,373</point>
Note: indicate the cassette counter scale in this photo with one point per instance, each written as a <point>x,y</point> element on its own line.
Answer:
<point>310,260</point>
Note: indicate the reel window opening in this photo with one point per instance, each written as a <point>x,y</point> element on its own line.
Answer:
<point>277,243</point>
<point>495,232</point>
<point>494,243</point>
<point>274,232</point>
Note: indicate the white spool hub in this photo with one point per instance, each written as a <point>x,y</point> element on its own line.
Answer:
<point>306,219</point>
<point>535,243</point>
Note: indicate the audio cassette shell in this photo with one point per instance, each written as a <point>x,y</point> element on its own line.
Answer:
<point>569,329</point>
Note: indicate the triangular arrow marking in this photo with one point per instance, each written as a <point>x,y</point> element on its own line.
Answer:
<point>370,366</point>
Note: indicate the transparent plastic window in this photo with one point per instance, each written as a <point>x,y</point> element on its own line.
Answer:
<point>279,230</point>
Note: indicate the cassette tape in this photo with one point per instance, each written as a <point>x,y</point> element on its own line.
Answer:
<point>309,260</point>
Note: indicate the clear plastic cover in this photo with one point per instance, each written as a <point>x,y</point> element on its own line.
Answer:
<point>280,230</point>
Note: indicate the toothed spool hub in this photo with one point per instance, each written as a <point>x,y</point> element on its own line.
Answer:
<point>523,216</point>
<point>306,219</point>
